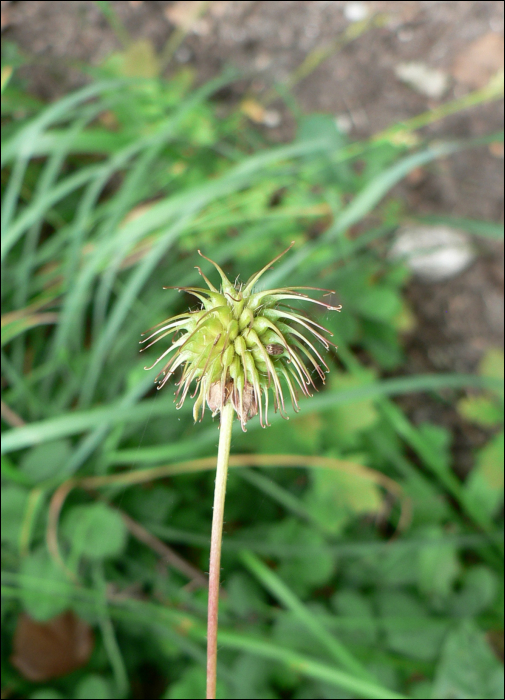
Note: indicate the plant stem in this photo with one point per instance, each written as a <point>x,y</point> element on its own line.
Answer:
<point>223,454</point>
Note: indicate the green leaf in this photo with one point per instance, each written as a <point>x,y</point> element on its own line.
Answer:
<point>438,567</point>
<point>153,505</point>
<point>140,60</point>
<point>14,500</point>
<point>487,229</point>
<point>96,531</point>
<point>421,690</point>
<point>478,592</point>
<point>344,423</point>
<point>303,571</point>
<point>481,410</point>
<point>438,441</point>
<point>244,595</point>
<point>379,303</point>
<point>490,462</point>
<point>396,568</point>
<point>46,694</point>
<point>335,497</point>
<point>301,435</point>
<point>45,461</point>
<point>355,607</point>
<point>492,364</point>
<point>40,569</point>
<point>92,687</point>
<point>484,486</point>
<point>381,341</point>
<point>192,685</point>
<point>315,126</point>
<point>407,628</point>
<point>468,668</point>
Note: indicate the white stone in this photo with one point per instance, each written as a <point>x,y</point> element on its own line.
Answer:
<point>423,79</point>
<point>433,253</point>
<point>355,11</point>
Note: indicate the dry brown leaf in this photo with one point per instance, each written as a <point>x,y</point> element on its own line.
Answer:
<point>253,110</point>
<point>477,64</point>
<point>45,650</point>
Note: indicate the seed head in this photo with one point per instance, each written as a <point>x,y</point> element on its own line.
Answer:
<point>239,345</point>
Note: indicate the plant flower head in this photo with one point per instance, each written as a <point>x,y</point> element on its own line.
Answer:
<point>240,344</point>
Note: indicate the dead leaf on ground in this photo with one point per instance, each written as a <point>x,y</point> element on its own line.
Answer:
<point>45,650</point>
<point>259,115</point>
<point>477,63</point>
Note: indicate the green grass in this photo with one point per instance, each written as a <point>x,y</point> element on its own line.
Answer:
<point>107,195</point>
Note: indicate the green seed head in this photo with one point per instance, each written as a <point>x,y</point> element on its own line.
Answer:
<point>239,345</point>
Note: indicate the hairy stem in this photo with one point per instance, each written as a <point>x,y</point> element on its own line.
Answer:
<point>223,454</point>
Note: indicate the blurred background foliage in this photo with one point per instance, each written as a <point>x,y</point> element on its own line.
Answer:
<point>356,563</point>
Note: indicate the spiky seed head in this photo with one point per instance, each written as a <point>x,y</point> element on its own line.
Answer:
<point>239,345</point>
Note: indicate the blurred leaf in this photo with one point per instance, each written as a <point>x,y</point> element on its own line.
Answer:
<point>39,568</point>
<point>489,459</point>
<point>245,597</point>
<point>492,364</point>
<point>5,77</point>
<point>154,503</point>
<point>289,631</point>
<point>481,410</point>
<point>250,675</point>
<point>13,328</point>
<point>379,303</point>
<point>438,567</point>
<point>344,422</point>
<point>302,434</point>
<point>438,441</point>
<point>14,502</point>
<point>407,628</point>
<point>468,667</point>
<point>140,60</point>
<point>478,592</point>
<point>484,486</point>
<point>92,687</point>
<point>303,571</point>
<point>381,341</point>
<point>420,690</point>
<point>45,461</point>
<point>192,685</point>
<point>395,568</point>
<point>335,497</point>
<point>96,531</point>
<point>46,694</point>
<point>487,229</point>
<point>315,125</point>
<point>356,607</point>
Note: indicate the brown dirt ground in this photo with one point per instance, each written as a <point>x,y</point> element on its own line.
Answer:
<point>458,319</point>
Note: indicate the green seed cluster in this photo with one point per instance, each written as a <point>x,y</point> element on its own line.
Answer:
<point>239,345</point>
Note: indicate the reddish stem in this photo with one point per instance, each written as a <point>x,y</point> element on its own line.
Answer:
<point>223,454</point>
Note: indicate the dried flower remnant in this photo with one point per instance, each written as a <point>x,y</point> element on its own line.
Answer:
<point>240,344</point>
